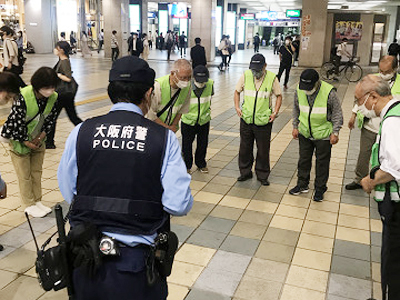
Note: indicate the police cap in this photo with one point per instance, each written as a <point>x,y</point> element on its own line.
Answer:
<point>132,69</point>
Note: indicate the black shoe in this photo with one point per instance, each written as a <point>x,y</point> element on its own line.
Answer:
<point>1,248</point>
<point>50,146</point>
<point>353,186</point>
<point>245,177</point>
<point>264,182</point>
<point>318,196</point>
<point>298,190</point>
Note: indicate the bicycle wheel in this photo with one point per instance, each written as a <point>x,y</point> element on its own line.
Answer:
<point>353,73</point>
<point>327,71</point>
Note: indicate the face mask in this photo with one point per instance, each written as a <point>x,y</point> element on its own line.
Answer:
<point>200,85</point>
<point>258,74</point>
<point>311,92</point>
<point>365,111</point>
<point>287,43</point>
<point>46,92</point>
<point>387,77</point>
<point>344,43</point>
<point>180,83</point>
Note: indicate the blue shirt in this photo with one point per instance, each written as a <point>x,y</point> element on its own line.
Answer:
<point>176,199</point>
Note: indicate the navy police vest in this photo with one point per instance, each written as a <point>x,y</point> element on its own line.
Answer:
<point>119,157</point>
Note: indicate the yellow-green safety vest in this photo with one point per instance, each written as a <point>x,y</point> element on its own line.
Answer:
<point>313,120</point>
<point>200,107</point>
<point>380,189</point>
<point>35,119</point>
<point>256,108</point>
<point>166,97</point>
<point>396,86</point>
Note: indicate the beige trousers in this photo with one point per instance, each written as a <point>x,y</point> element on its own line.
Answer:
<point>29,172</point>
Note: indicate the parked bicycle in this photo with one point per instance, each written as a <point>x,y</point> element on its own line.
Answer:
<point>352,71</point>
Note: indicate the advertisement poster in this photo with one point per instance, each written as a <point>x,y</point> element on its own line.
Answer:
<point>348,29</point>
<point>305,29</point>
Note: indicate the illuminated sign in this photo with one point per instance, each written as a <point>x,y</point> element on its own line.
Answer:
<point>151,15</point>
<point>247,16</point>
<point>178,10</point>
<point>271,15</point>
<point>293,13</point>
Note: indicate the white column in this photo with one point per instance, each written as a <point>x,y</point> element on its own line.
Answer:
<point>203,24</point>
<point>116,17</point>
<point>145,20</point>
<point>41,24</point>
<point>313,54</point>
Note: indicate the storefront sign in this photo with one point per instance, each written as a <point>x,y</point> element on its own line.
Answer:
<point>151,15</point>
<point>271,15</point>
<point>348,29</point>
<point>293,13</point>
<point>247,16</point>
<point>279,24</point>
<point>178,10</point>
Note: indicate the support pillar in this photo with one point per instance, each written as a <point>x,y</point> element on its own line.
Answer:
<point>313,33</point>
<point>203,25</point>
<point>145,20</point>
<point>82,17</point>
<point>41,24</point>
<point>116,17</point>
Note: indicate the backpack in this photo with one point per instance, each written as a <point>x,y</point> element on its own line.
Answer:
<point>334,51</point>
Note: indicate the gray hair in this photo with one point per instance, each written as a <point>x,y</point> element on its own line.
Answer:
<point>182,64</point>
<point>375,83</point>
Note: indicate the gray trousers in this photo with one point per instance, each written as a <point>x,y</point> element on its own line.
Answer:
<point>367,140</point>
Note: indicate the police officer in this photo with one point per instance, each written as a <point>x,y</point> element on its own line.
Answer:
<point>317,119</point>
<point>171,96</point>
<point>374,96</point>
<point>388,66</point>
<point>126,175</point>
<point>197,121</point>
<point>257,113</point>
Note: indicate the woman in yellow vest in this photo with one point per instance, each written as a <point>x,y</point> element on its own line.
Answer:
<point>197,121</point>
<point>317,120</point>
<point>32,116</point>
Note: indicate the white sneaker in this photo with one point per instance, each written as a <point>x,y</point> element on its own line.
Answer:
<point>43,207</point>
<point>35,212</point>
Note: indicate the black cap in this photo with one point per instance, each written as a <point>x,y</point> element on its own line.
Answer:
<point>257,62</point>
<point>132,69</point>
<point>308,78</point>
<point>201,74</point>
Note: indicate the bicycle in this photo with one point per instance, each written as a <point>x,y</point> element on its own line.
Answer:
<point>352,71</point>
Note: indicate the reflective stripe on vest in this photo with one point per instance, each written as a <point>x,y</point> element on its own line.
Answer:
<point>380,189</point>
<point>200,108</point>
<point>32,109</point>
<point>166,97</point>
<point>316,121</point>
<point>256,106</point>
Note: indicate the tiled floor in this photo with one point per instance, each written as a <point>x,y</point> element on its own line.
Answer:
<point>241,240</point>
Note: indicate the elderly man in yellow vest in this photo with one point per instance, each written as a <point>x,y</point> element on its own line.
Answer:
<point>388,67</point>
<point>256,113</point>
<point>373,96</point>
<point>171,96</point>
<point>317,120</point>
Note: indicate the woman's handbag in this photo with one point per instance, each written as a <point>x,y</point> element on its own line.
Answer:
<point>67,88</point>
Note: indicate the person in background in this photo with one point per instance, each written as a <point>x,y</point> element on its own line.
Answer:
<point>317,120</point>
<point>150,39</point>
<point>296,45</point>
<point>101,40</point>
<point>62,37</point>
<point>286,58</point>
<point>146,47</point>
<point>388,68</point>
<point>277,43</point>
<point>20,41</point>
<point>394,49</point>
<point>182,43</point>
<point>223,48</point>
<point>198,54</point>
<point>162,41</point>
<point>257,114</point>
<point>159,186</point>
<point>135,45</point>
<point>72,42</point>
<point>171,96</point>
<point>230,49</point>
<point>197,121</point>
<point>342,51</point>
<point>256,43</point>
<point>66,96</point>
<point>84,45</point>
<point>114,46</point>
<point>10,54</point>
<point>169,41</point>
<point>32,117</point>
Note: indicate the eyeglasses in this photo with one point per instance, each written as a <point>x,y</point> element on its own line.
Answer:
<point>367,94</point>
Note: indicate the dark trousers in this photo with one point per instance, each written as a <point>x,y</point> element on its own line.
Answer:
<point>256,47</point>
<point>276,49</point>
<point>367,140</point>
<point>224,61</point>
<point>183,48</point>
<point>114,54</point>
<point>100,46</point>
<point>150,44</point>
<point>286,68</point>
<point>188,135</point>
<point>169,49</point>
<point>120,277</point>
<point>390,253</point>
<point>262,135</point>
<point>323,154</point>
<point>64,101</point>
